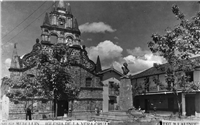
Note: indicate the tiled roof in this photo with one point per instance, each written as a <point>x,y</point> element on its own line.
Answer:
<point>110,69</point>
<point>149,72</point>
<point>154,71</point>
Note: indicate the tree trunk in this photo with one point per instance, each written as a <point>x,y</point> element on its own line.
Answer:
<point>178,103</point>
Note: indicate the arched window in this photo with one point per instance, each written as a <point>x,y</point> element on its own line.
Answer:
<point>88,82</point>
<point>61,21</point>
<point>46,30</point>
<point>53,20</point>
<point>69,40</point>
<point>69,23</point>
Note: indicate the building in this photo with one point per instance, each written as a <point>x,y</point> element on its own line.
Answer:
<point>111,82</point>
<point>4,100</point>
<point>60,26</point>
<point>157,97</point>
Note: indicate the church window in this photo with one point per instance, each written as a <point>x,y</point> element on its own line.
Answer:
<point>69,40</point>
<point>46,30</point>
<point>69,22</point>
<point>46,38</point>
<point>88,82</point>
<point>54,20</point>
<point>111,88</point>
<point>61,21</point>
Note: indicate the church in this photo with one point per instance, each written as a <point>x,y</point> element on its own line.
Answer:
<point>96,91</point>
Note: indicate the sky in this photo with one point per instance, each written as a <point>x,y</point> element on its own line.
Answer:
<point>117,31</point>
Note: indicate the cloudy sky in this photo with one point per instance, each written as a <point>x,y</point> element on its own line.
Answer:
<point>117,31</point>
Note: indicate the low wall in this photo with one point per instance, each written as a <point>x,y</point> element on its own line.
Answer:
<point>35,116</point>
<point>51,122</point>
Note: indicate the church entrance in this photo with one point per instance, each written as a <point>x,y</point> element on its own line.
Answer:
<point>63,107</point>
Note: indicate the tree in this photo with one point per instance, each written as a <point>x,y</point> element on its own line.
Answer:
<point>177,46</point>
<point>52,78</point>
<point>24,90</point>
<point>54,74</point>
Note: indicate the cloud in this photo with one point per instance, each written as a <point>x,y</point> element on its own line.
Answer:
<point>7,63</point>
<point>4,68</point>
<point>107,50</point>
<point>116,38</point>
<point>96,27</point>
<point>139,59</point>
<point>7,45</point>
<point>137,51</point>
<point>111,54</point>
<point>5,31</point>
<point>138,64</point>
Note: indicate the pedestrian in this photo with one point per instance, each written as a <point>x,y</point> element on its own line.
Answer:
<point>28,114</point>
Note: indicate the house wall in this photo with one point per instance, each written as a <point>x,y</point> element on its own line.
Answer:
<point>106,91</point>
<point>160,102</point>
<point>163,82</point>
<point>197,96</point>
<point>197,75</point>
<point>164,101</point>
<point>197,104</point>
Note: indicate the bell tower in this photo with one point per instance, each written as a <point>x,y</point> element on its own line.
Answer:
<point>60,26</point>
<point>16,64</point>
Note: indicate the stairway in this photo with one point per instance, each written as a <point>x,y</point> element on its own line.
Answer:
<point>113,116</point>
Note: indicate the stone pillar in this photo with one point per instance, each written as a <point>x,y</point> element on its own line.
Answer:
<point>197,96</point>
<point>183,104</point>
<point>197,104</point>
<point>125,96</point>
<point>105,97</point>
<point>118,100</point>
<point>5,108</point>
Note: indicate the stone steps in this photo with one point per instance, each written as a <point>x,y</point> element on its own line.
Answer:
<point>115,113</point>
<point>113,116</point>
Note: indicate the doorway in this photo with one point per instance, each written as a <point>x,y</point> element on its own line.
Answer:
<point>190,105</point>
<point>63,106</point>
<point>146,105</point>
<point>171,104</point>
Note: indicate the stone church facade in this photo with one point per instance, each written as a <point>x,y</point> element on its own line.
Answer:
<point>60,27</point>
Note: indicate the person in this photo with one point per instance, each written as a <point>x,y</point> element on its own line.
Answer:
<point>65,113</point>
<point>28,114</point>
<point>97,111</point>
<point>139,108</point>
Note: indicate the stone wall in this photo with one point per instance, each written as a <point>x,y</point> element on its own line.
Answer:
<point>80,75</point>
<point>17,111</point>
<point>88,99</point>
<point>95,94</point>
<point>125,97</point>
<point>87,105</point>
